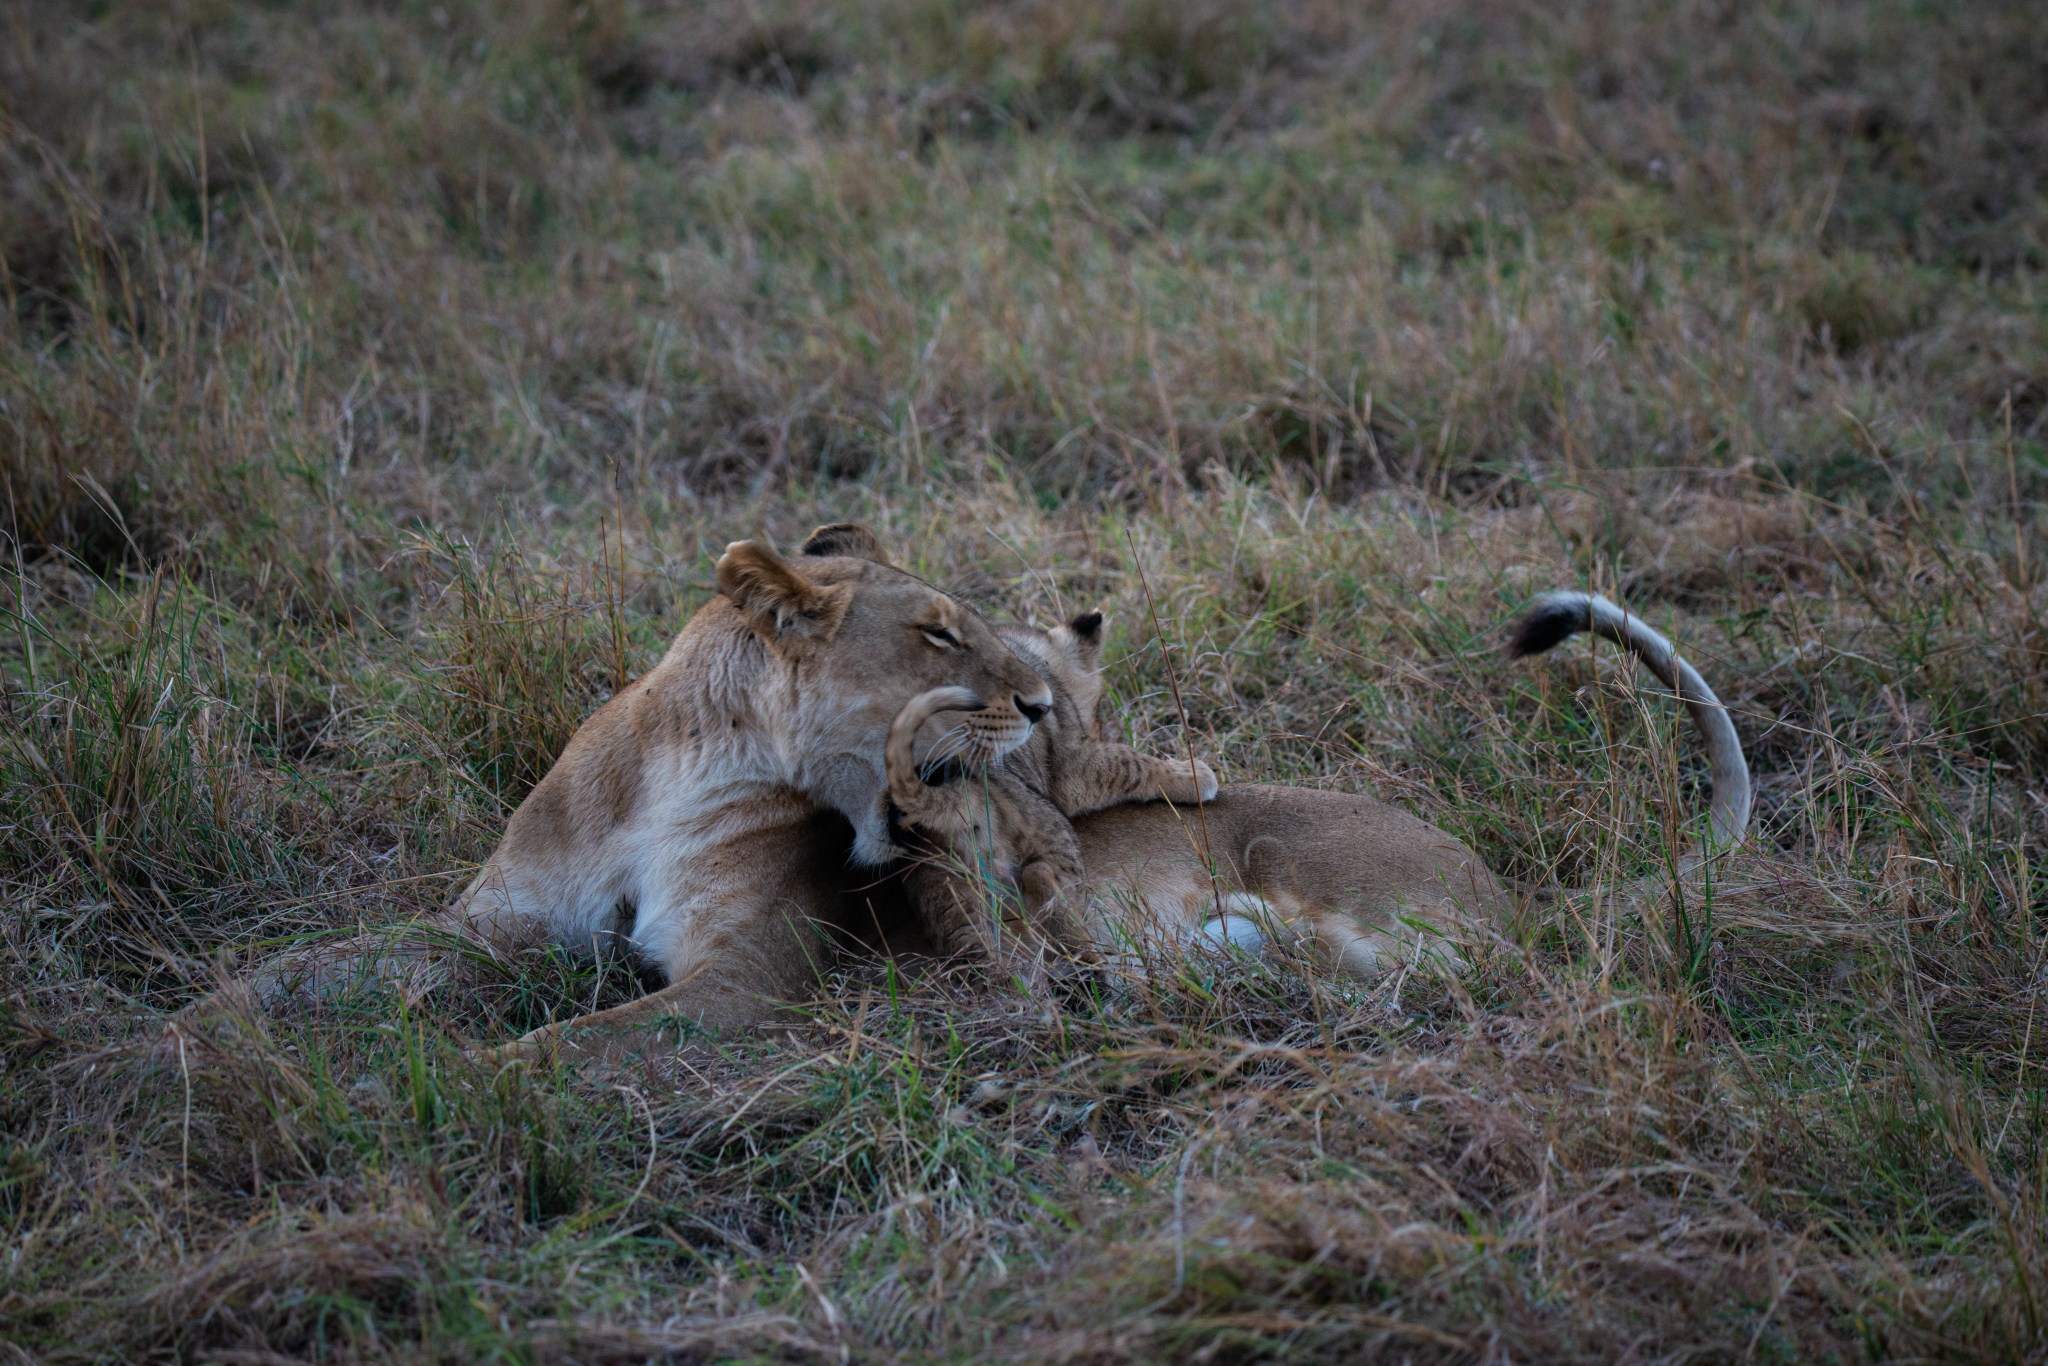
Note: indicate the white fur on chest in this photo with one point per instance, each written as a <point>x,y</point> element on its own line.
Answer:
<point>694,800</point>
<point>658,867</point>
<point>836,758</point>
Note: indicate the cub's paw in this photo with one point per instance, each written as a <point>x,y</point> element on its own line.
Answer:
<point>1189,780</point>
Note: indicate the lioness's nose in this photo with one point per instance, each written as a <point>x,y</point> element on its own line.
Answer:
<point>1034,712</point>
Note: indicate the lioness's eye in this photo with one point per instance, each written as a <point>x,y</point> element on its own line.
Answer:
<point>941,637</point>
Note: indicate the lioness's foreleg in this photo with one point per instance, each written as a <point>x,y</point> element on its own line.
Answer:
<point>739,930</point>
<point>746,973</point>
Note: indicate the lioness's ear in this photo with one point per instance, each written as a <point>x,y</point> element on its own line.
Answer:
<point>846,538</point>
<point>781,605</point>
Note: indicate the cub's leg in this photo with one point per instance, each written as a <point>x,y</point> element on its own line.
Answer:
<point>951,887</point>
<point>959,913</point>
<point>1050,877</point>
<point>1092,775</point>
<point>1006,896</point>
<point>1012,926</point>
<point>1009,834</point>
<point>963,917</point>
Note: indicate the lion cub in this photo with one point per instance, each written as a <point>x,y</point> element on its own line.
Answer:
<point>980,831</point>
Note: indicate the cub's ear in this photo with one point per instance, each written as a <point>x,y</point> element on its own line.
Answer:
<point>1082,638</point>
<point>1080,641</point>
<point>780,605</point>
<point>846,538</point>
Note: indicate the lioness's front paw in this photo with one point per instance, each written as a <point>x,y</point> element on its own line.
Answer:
<point>518,1053</point>
<point>536,1049</point>
<point>236,997</point>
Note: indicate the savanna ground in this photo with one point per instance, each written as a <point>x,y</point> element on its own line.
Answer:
<point>379,380</point>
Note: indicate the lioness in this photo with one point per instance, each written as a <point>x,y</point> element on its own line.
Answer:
<point>1344,872</point>
<point>692,816</point>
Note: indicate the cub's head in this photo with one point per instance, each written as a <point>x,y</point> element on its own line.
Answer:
<point>1073,663</point>
<point>862,638</point>
<point>1069,659</point>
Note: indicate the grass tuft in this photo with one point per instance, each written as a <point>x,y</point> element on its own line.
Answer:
<point>378,386</point>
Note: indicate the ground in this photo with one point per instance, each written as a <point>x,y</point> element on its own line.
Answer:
<point>379,382</point>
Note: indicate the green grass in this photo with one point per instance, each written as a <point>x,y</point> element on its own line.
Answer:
<point>378,384</point>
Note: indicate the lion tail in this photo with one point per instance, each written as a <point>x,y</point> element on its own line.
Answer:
<point>1556,617</point>
<point>906,784</point>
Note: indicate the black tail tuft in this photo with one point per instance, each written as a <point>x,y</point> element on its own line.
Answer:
<point>1550,623</point>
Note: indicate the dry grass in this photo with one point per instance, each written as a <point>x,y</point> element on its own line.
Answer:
<point>377,383</point>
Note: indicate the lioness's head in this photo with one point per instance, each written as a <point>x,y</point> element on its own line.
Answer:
<point>861,638</point>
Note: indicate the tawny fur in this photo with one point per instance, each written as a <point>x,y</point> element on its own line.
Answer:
<point>1369,884</point>
<point>1066,757</point>
<point>701,797</point>
<point>711,797</point>
<point>974,839</point>
<point>1005,826</point>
